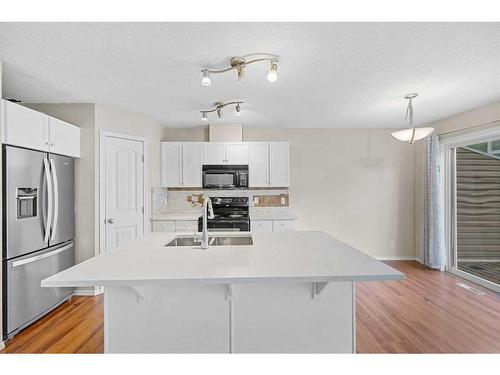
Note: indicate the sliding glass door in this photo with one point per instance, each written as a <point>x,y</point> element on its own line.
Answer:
<point>474,192</point>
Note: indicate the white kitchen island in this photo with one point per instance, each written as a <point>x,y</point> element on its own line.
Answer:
<point>289,292</point>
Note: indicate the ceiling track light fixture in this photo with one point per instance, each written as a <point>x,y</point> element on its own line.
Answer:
<point>239,64</point>
<point>412,134</point>
<point>218,109</point>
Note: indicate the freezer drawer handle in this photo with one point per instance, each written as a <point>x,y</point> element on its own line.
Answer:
<point>38,257</point>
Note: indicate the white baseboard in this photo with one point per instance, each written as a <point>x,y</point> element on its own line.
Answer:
<point>398,258</point>
<point>87,291</point>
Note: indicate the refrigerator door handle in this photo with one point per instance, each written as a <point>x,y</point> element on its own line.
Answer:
<point>49,199</point>
<point>38,257</point>
<point>56,199</point>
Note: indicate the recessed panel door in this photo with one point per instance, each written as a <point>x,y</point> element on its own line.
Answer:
<point>124,191</point>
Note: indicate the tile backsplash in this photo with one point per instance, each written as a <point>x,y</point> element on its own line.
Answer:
<point>165,200</point>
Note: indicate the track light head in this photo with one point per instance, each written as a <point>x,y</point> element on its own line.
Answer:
<point>238,110</point>
<point>204,116</point>
<point>241,73</point>
<point>272,76</point>
<point>205,80</point>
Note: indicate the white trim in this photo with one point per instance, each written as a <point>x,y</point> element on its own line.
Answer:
<point>102,178</point>
<point>397,258</point>
<point>87,291</point>
<point>471,136</point>
<point>353,302</point>
<point>475,279</point>
<point>2,345</point>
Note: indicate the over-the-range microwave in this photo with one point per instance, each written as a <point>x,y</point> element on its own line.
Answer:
<point>225,176</point>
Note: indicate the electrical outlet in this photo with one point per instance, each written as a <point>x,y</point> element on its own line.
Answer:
<point>255,200</point>
<point>283,200</point>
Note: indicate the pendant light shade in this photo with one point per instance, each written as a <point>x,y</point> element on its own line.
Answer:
<point>411,135</point>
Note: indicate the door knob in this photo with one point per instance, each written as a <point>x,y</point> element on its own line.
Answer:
<point>111,220</point>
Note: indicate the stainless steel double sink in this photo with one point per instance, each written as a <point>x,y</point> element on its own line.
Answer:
<point>241,240</point>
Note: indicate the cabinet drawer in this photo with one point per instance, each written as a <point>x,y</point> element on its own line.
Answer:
<point>283,225</point>
<point>164,226</point>
<point>261,225</point>
<point>186,226</point>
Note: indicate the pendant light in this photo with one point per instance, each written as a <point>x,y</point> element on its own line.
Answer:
<point>412,134</point>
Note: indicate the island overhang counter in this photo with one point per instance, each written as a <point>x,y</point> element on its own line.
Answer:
<point>288,292</point>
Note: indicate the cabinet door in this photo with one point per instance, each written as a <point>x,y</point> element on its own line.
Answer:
<point>25,127</point>
<point>191,166</point>
<point>261,225</point>
<point>258,164</point>
<point>64,138</point>
<point>189,226</point>
<point>171,164</point>
<point>164,226</point>
<point>278,164</point>
<point>237,153</point>
<point>280,225</point>
<point>214,153</point>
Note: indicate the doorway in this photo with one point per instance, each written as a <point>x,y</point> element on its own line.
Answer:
<point>123,180</point>
<point>473,191</point>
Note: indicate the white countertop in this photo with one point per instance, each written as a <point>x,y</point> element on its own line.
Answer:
<point>177,215</point>
<point>255,214</point>
<point>274,256</point>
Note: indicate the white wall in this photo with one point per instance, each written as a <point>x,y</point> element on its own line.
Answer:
<point>355,184</point>
<point>465,121</point>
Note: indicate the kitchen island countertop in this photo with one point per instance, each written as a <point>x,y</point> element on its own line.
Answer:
<point>302,256</point>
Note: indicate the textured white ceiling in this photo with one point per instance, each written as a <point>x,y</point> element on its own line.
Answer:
<point>330,74</point>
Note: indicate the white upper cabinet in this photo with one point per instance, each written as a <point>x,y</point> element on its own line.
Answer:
<point>181,162</point>
<point>64,138</point>
<point>279,164</point>
<point>214,153</point>
<point>225,153</point>
<point>171,164</point>
<point>25,127</point>
<point>192,161</point>
<point>258,164</point>
<point>237,153</point>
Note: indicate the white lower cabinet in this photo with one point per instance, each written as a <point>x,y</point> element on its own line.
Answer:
<point>190,226</point>
<point>261,225</point>
<point>279,225</point>
<point>164,226</point>
<point>172,226</point>
<point>186,226</point>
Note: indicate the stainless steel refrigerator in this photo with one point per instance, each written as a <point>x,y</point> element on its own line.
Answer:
<point>38,232</point>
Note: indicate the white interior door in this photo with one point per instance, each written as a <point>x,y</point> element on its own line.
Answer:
<point>124,191</point>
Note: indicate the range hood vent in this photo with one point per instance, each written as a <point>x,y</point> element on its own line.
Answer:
<point>226,133</point>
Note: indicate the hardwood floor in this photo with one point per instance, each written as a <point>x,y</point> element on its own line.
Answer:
<point>425,313</point>
<point>74,327</point>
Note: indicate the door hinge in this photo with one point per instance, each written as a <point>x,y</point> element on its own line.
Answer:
<point>143,158</point>
<point>142,209</point>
